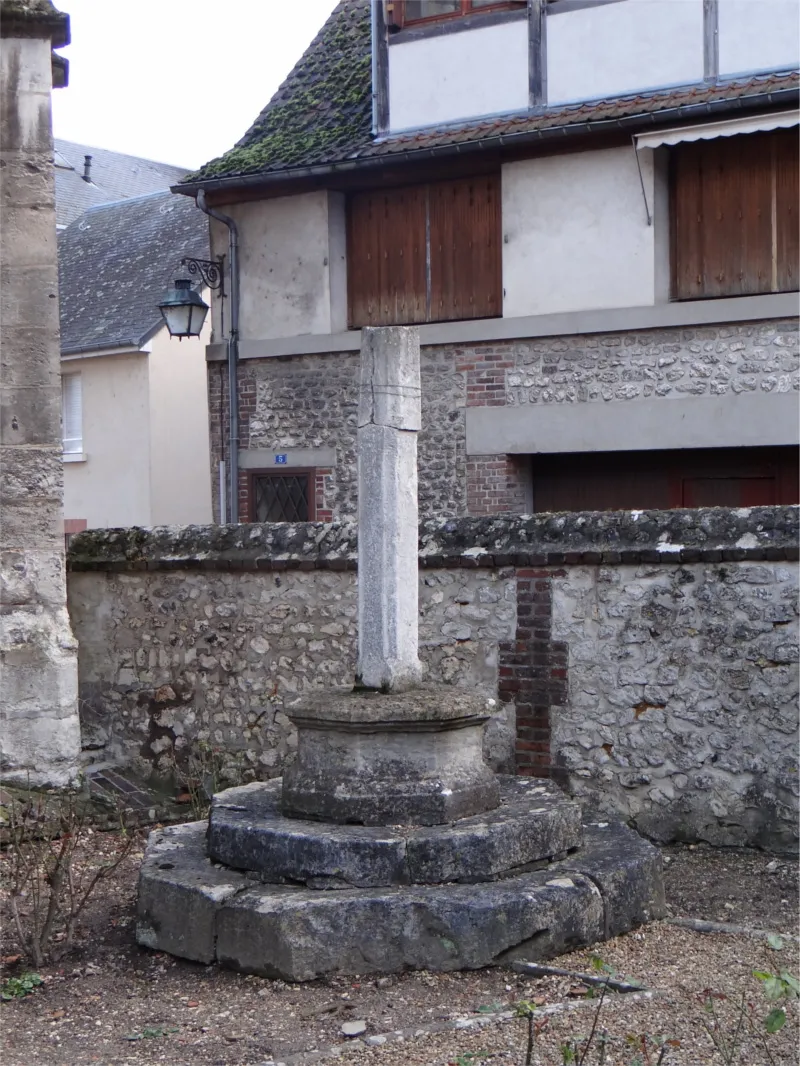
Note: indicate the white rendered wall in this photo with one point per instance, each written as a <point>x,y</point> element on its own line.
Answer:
<point>624,47</point>
<point>758,36</point>
<point>575,233</point>
<point>289,248</point>
<point>459,75</point>
<point>112,487</point>
<point>180,488</point>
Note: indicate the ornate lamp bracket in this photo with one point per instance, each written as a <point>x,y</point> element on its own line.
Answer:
<point>212,271</point>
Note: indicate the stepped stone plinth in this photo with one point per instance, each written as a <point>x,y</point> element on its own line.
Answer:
<point>198,909</point>
<point>389,844</point>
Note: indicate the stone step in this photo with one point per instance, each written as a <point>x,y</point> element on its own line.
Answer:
<point>190,907</point>
<point>534,824</point>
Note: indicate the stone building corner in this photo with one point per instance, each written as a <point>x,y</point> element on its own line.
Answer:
<point>38,654</point>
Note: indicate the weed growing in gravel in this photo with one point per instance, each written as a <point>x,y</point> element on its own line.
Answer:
<point>48,888</point>
<point>777,986</point>
<point>469,1058</point>
<point>19,987</point>
<point>727,1033</point>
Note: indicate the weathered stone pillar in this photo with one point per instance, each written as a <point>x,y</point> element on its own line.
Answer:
<point>39,727</point>
<point>389,418</point>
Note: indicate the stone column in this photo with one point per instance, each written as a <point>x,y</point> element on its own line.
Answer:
<point>389,418</point>
<point>39,727</point>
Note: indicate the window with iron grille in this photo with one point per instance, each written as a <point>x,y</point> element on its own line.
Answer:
<point>282,497</point>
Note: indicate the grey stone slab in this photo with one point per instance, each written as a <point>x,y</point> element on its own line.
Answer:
<point>180,892</point>
<point>300,935</point>
<point>191,908</point>
<point>534,822</point>
<point>628,872</point>
<point>247,831</point>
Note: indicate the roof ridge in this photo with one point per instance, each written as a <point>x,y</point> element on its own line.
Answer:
<point>121,155</point>
<point>126,200</point>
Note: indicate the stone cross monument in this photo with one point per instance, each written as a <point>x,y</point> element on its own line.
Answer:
<point>389,844</point>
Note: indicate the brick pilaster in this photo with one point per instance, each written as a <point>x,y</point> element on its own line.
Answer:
<point>533,671</point>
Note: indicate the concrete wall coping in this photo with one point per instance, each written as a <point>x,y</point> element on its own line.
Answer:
<point>659,316</point>
<point>609,538</point>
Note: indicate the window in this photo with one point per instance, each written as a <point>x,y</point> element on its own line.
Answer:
<point>401,13</point>
<point>284,497</point>
<point>425,253</point>
<point>71,414</point>
<point>702,477</point>
<point>735,215</point>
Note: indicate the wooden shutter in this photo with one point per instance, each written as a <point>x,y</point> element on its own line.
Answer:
<point>72,413</point>
<point>465,268</point>
<point>734,216</point>
<point>386,272</point>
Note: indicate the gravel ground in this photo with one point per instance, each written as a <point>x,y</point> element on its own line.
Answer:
<point>110,1002</point>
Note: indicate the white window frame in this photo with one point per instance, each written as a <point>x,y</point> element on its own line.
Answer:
<point>72,417</point>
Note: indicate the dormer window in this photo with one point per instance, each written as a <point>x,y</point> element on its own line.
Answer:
<point>402,13</point>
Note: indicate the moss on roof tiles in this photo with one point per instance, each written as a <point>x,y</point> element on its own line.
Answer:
<point>323,109</point>
<point>322,114</point>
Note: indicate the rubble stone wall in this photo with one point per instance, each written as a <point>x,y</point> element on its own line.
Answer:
<point>646,660</point>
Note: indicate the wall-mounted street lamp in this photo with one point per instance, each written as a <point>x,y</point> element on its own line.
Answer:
<point>183,309</point>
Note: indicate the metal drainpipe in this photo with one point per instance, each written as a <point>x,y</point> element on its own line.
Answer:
<point>233,356</point>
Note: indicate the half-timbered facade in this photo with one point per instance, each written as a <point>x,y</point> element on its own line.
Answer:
<point>589,207</point>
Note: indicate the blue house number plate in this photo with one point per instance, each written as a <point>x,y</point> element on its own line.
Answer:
<point>280,460</point>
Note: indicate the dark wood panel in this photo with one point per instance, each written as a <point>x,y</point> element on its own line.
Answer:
<point>725,477</point>
<point>686,213</point>
<point>787,199</point>
<point>465,278</point>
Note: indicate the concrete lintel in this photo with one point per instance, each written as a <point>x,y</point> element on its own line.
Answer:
<point>747,420</point>
<point>608,320</point>
<point>266,458</point>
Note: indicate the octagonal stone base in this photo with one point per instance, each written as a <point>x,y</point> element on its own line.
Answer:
<point>534,823</point>
<point>191,907</point>
<point>371,758</point>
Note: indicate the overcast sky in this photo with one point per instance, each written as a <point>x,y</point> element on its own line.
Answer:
<point>178,81</point>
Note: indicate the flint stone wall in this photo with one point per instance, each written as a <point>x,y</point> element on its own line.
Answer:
<point>678,711</point>
<point>310,401</point>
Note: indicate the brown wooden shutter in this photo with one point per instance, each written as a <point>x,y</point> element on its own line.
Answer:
<point>386,257</point>
<point>734,216</point>
<point>465,267</point>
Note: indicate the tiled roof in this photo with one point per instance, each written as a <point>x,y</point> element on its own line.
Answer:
<point>115,176</point>
<point>116,262</point>
<point>322,114</point>
<point>637,108</point>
